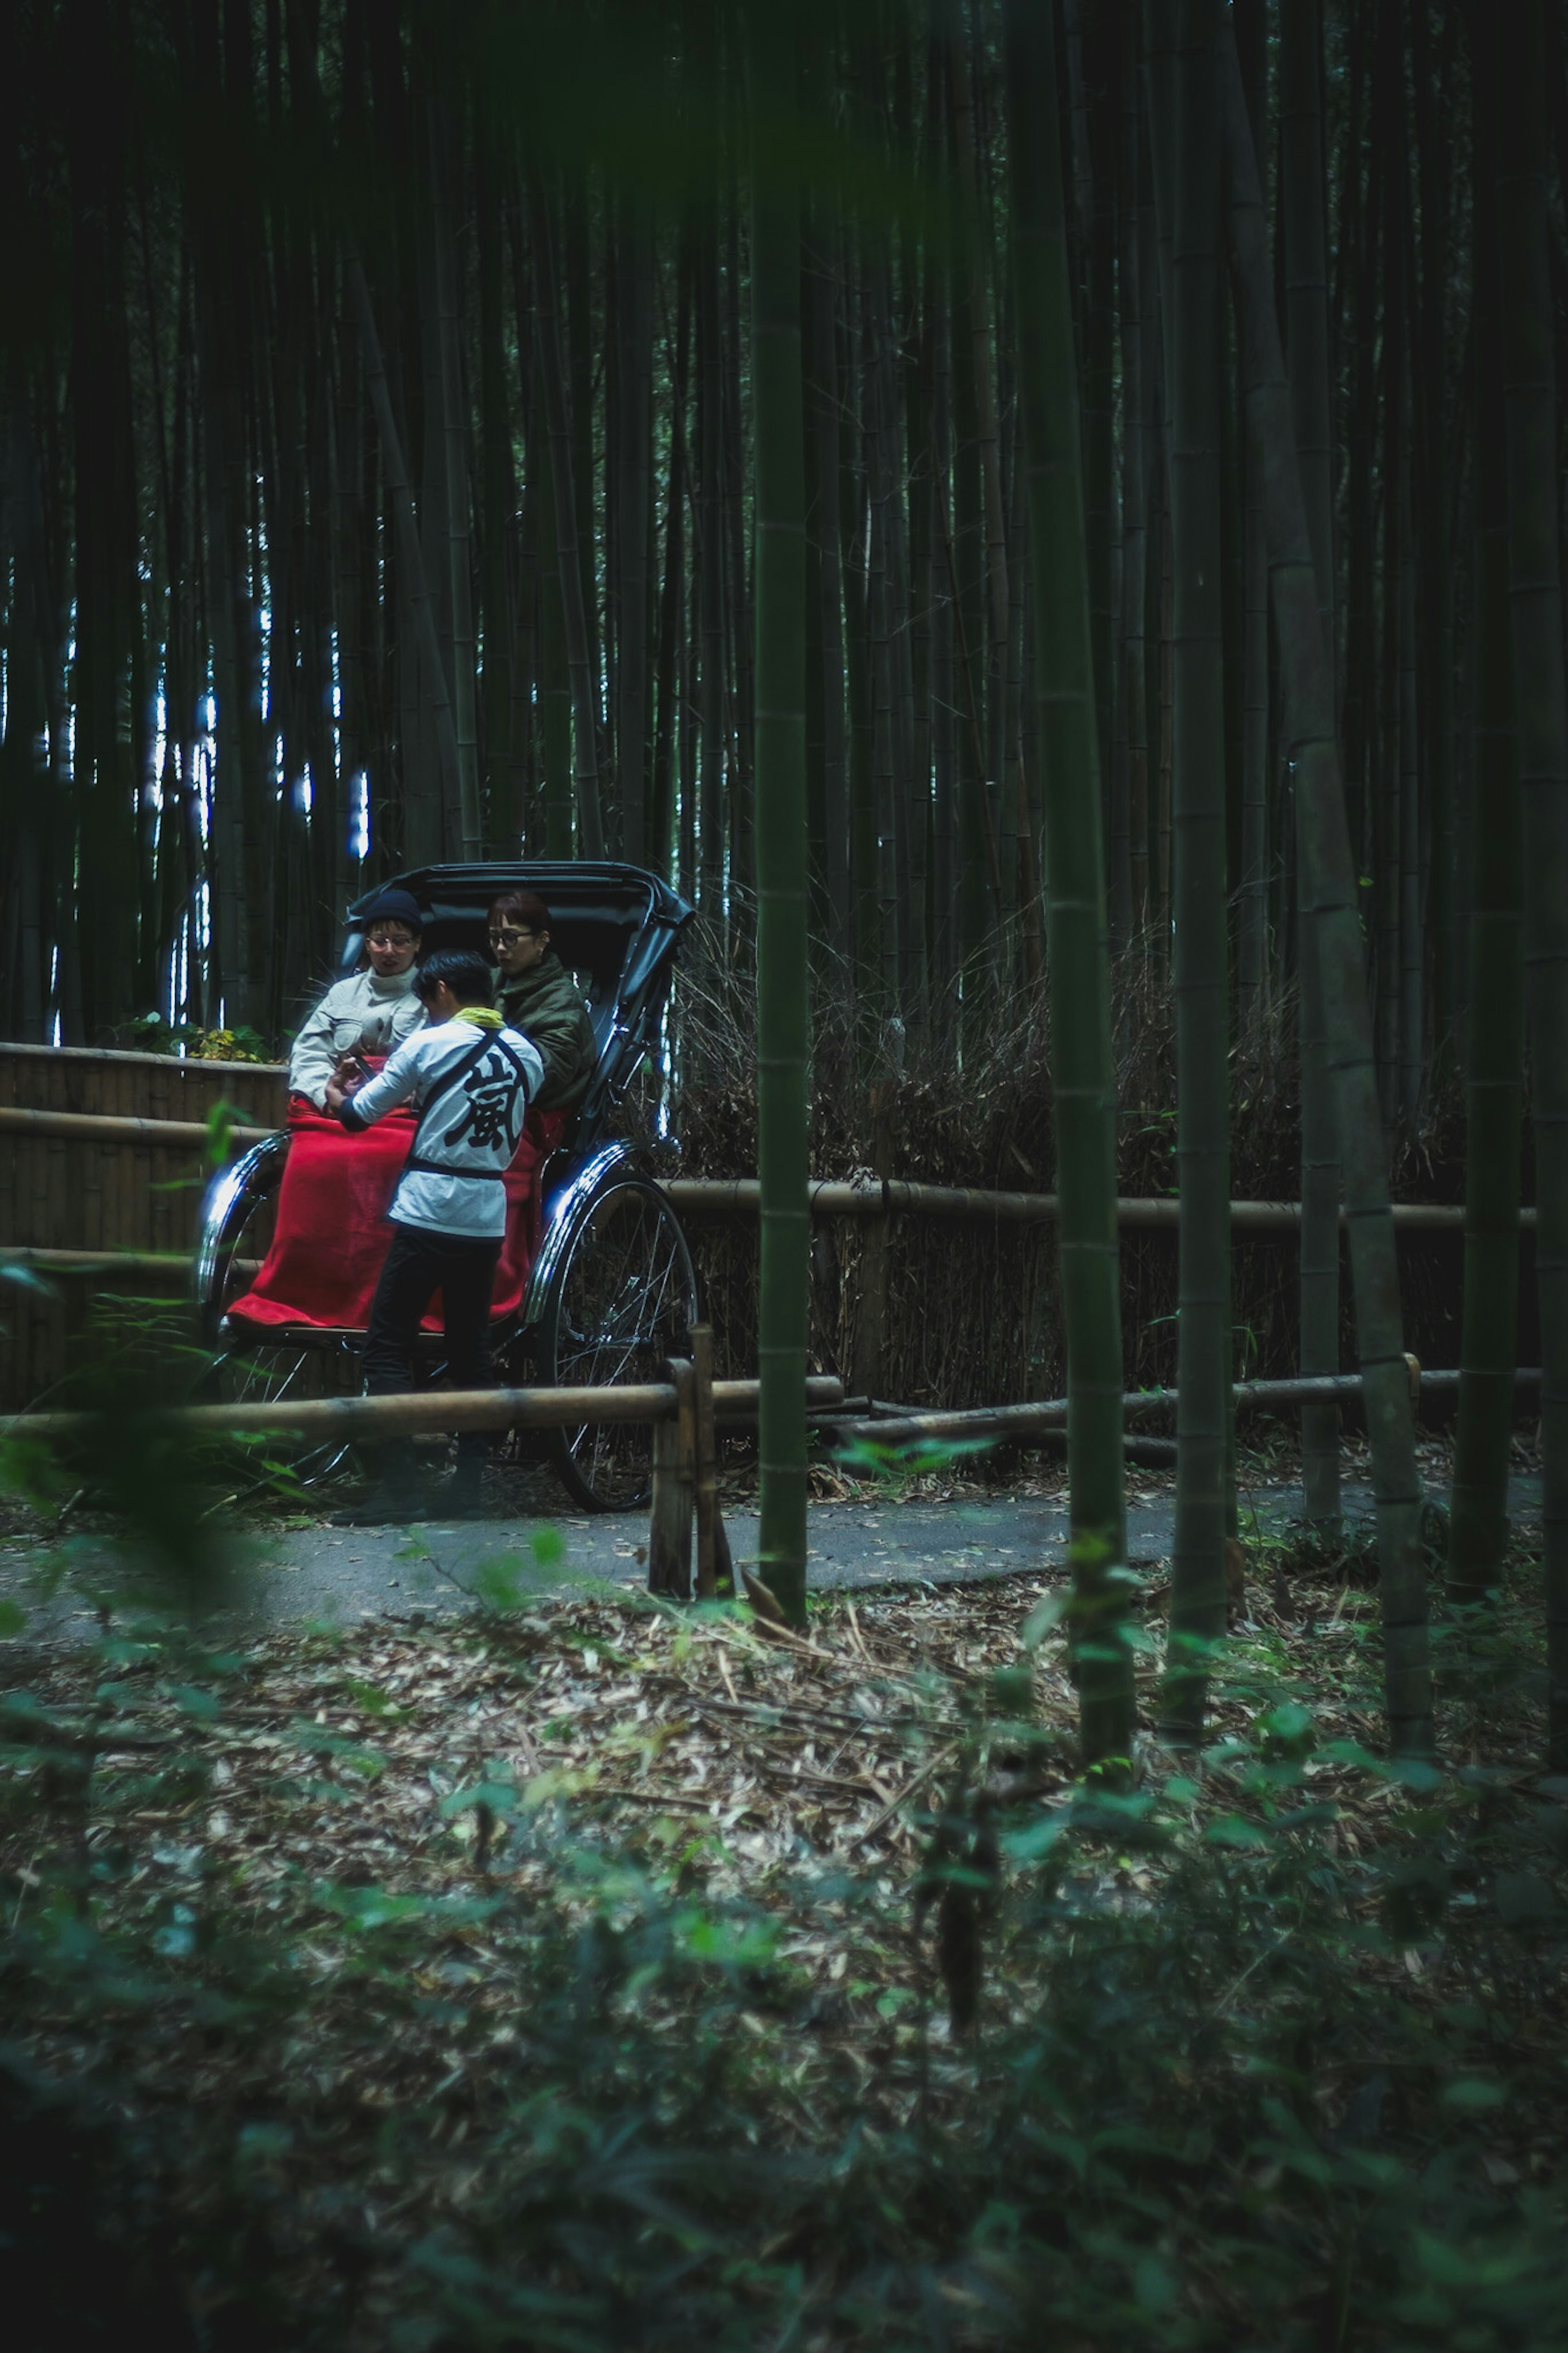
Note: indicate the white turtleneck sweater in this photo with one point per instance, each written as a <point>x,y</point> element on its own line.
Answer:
<point>361,1014</point>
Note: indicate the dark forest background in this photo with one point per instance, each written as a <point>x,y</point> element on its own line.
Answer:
<point>377,425</point>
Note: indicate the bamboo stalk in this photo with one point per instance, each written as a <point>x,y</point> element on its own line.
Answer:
<point>497,499</point>
<point>1182,106</point>
<point>1329,901</point>
<point>633,477</point>
<point>1531,427</point>
<point>829,632</point>
<point>568,552</point>
<point>784,1021</point>
<point>1128,860</point>
<point>710,569</point>
<point>1494,1055</point>
<point>660,843</point>
<point>555,667</point>
<point>455,454</point>
<point>1303,200</point>
<point>1085,1104</point>
<point>1443,460</point>
<point>410,553</point>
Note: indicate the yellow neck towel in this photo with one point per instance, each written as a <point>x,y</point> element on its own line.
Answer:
<point>483,1017</point>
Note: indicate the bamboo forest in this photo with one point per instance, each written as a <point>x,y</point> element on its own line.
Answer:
<point>784,1175</point>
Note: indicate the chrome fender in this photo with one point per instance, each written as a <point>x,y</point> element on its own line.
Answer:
<point>256,1171</point>
<point>565,1214</point>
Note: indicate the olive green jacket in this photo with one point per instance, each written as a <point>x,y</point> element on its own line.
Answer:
<point>545,1006</point>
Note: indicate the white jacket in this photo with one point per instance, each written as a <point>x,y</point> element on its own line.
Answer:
<point>471,1087</point>
<point>374,1016</point>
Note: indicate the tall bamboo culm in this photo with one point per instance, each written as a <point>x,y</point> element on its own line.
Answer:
<point>1084,1069</point>
<point>1183,89</point>
<point>1328,905</point>
<point>783,1026</point>
<point>1494,1058</point>
<point>1302,201</point>
<point>1530,400</point>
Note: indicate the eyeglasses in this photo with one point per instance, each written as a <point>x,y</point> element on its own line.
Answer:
<point>389,939</point>
<point>508,939</point>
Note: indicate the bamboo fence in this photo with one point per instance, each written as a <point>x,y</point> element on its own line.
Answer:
<point>102,1167</point>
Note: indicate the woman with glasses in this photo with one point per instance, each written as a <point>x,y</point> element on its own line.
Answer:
<point>538,996</point>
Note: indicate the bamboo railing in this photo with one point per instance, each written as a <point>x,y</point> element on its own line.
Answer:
<point>115,1127</point>
<point>1046,1416</point>
<point>895,1196</point>
<point>103,1159</point>
<point>322,1419</point>
<point>685,1411</point>
<point>828,1197</point>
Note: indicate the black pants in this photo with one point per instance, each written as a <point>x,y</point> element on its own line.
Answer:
<point>418,1264</point>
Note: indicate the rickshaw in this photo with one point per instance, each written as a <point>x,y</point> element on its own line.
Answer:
<point>612,1292</point>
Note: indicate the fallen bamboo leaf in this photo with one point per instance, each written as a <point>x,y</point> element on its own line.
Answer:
<point>932,1767</point>
<point>764,1601</point>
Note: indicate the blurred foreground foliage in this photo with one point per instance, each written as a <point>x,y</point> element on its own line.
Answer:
<point>1266,2049</point>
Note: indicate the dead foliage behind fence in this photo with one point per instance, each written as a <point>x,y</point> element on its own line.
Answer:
<point>971,1310</point>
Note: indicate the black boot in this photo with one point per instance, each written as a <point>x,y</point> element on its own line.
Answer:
<point>399,1495</point>
<point>462,1495</point>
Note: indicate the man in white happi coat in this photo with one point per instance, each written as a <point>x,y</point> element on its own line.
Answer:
<point>469,1078</point>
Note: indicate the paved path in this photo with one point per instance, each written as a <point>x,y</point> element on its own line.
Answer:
<point>307,1575</point>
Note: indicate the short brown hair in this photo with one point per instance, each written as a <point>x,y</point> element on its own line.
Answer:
<point>526,908</point>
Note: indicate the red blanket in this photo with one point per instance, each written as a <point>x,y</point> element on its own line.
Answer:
<point>331,1231</point>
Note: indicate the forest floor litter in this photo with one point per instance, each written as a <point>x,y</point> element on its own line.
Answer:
<point>401,1815</point>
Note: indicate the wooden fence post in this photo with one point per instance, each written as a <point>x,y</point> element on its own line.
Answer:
<point>674,1490</point>
<point>714,1569</point>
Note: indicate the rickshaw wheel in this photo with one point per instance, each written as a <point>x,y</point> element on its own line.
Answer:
<point>253,1367</point>
<point>621,1301</point>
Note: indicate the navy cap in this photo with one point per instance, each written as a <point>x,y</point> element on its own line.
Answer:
<point>394,906</point>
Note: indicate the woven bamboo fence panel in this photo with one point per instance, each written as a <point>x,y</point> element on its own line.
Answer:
<point>84,1194</point>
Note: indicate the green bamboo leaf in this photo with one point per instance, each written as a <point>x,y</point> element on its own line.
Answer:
<point>1234,1829</point>
<point>1471,2093</point>
<point>501,1797</point>
<point>190,1700</point>
<point>1305,1818</point>
<point>221,1121</point>
<point>27,1278</point>
<point>1046,1616</point>
<point>1039,1838</point>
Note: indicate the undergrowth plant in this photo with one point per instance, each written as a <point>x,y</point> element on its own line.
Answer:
<point>1264,2050</point>
<point>1204,2094</point>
